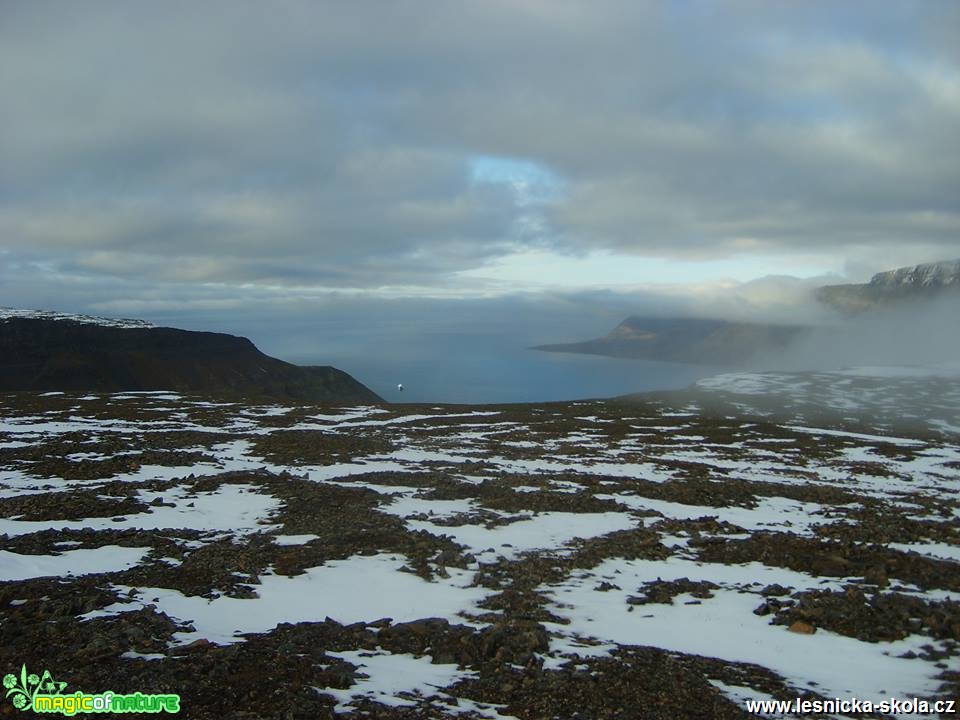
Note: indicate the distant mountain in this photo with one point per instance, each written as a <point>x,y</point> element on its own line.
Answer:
<point>719,342</point>
<point>688,340</point>
<point>894,286</point>
<point>55,351</point>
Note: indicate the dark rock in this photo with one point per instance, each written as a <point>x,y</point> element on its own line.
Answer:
<point>45,354</point>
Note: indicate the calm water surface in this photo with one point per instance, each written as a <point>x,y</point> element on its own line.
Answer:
<point>468,370</point>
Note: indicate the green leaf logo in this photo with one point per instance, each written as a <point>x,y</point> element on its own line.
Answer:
<point>25,688</point>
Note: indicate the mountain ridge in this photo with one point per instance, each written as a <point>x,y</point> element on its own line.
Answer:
<point>913,282</point>
<point>42,351</point>
<point>939,274</point>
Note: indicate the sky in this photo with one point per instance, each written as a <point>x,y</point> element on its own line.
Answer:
<point>295,169</point>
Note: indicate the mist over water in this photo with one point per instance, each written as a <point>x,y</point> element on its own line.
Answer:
<point>483,355</point>
<point>918,333</point>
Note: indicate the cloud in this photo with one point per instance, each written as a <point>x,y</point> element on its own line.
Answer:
<point>906,334</point>
<point>313,146</point>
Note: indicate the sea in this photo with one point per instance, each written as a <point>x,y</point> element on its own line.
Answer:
<point>467,369</point>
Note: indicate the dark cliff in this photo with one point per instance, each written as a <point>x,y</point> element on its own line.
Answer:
<point>58,354</point>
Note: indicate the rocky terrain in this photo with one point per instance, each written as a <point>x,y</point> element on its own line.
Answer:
<point>57,351</point>
<point>664,556</point>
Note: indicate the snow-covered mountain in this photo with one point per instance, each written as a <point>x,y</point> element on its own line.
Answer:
<point>9,313</point>
<point>894,286</point>
<point>928,275</point>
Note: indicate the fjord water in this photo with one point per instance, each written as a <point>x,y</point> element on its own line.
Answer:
<point>467,369</point>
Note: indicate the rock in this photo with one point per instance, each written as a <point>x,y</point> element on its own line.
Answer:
<point>802,628</point>
<point>195,646</point>
<point>775,590</point>
<point>876,575</point>
<point>764,609</point>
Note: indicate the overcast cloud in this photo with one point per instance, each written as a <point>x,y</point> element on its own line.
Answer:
<point>182,159</point>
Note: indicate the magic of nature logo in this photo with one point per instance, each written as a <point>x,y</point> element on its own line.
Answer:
<point>43,694</point>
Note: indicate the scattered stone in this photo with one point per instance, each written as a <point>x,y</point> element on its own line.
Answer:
<point>503,645</point>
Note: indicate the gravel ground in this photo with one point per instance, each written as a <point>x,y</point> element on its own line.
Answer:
<point>659,557</point>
